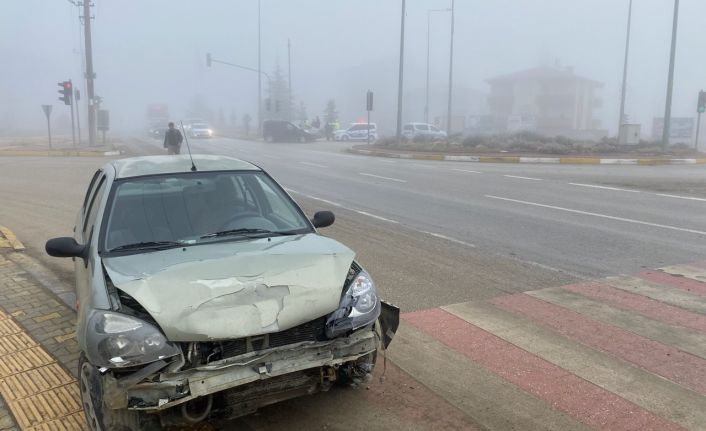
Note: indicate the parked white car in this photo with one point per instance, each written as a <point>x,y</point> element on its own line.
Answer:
<point>357,132</point>
<point>423,130</point>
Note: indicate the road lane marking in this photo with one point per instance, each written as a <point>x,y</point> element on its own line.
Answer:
<point>423,166</point>
<point>682,197</point>
<point>467,170</point>
<point>316,165</point>
<point>448,238</point>
<point>374,216</point>
<point>271,157</point>
<point>604,187</point>
<point>627,220</point>
<point>383,178</point>
<point>336,204</point>
<point>523,178</point>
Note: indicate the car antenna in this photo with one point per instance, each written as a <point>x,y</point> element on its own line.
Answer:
<point>193,166</point>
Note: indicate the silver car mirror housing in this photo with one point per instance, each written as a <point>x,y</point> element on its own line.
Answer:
<point>116,340</point>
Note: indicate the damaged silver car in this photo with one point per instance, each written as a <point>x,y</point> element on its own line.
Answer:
<point>204,293</point>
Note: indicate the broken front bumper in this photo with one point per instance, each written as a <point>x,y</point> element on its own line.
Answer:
<point>174,388</point>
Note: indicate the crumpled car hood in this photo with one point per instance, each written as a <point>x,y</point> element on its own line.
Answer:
<point>235,289</point>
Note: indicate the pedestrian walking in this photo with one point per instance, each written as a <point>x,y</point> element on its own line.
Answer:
<point>173,140</point>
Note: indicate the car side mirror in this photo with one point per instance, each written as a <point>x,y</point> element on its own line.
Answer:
<point>65,247</point>
<point>323,219</point>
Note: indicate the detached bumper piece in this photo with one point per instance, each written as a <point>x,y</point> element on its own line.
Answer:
<point>254,379</point>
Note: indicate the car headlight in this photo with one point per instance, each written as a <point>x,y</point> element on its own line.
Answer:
<point>359,307</point>
<point>116,340</point>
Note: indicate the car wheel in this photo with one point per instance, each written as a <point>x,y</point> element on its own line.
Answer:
<point>345,138</point>
<point>98,416</point>
<point>302,139</point>
<point>269,138</point>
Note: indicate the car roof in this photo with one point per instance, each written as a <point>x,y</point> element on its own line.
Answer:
<point>155,165</point>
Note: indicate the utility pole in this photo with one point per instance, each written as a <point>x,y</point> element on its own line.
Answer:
<point>399,80</point>
<point>623,89</point>
<point>90,76</point>
<point>289,78</point>
<point>259,70</point>
<point>451,71</point>
<point>670,80</point>
<point>77,97</point>
<point>426,100</point>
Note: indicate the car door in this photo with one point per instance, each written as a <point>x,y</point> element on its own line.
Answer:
<point>85,232</point>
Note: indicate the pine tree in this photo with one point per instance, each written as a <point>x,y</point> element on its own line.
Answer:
<point>330,113</point>
<point>278,94</point>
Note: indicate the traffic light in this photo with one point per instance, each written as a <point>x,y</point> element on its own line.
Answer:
<point>65,91</point>
<point>701,106</point>
<point>208,59</point>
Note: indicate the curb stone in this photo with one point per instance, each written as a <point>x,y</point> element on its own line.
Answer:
<point>536,160</point>
<point>10,239</point>
<point>58,153</point>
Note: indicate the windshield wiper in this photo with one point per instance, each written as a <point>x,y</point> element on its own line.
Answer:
<point>148,245</point>
<point>247,232</point>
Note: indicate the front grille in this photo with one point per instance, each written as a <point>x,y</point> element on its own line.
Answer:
<point>309,331</point>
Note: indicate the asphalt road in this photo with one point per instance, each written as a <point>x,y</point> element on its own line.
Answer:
<point>432,233</point>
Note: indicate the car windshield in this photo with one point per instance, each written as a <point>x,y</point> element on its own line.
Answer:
<point>199,126</point>
<point>181,209</point>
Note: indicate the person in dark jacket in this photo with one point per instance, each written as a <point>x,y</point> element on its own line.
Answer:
<point>173,140</point>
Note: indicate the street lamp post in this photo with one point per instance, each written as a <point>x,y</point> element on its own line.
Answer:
<point>259,70</point>
<point>670,79</point>
<point>451,70</point>
<point>399,80</point>
<point>426,100</point>
<point>625,75</point>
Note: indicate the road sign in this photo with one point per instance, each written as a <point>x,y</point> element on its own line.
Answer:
<point>103,120</point>
<point>701,106</point>
<point>47,110</point>
<point>369,101</point>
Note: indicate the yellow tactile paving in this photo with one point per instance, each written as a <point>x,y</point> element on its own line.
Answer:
<point>34,381</point>
<point>23,360</point>
<point>56,403</point>
<point>8,327</point>
<point>40,393</point>
<point>74,422</point>
<point>14,342</point>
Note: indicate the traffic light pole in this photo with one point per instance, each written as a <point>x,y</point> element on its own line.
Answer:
<point>89,72</point>
<point>73,123</point>
<point>670,80</point>
<point>77,97</point>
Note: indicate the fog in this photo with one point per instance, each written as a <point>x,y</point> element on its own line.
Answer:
<point>154,52</point>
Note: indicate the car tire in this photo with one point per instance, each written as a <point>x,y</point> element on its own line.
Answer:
<point>345,138</point>
<point>98,416</point>
<point>302,139</point>
<point>269,138</point>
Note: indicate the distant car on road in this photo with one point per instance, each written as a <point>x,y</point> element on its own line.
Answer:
<point>284,131</point>
<point>422,130</point>
<point>200,130</point>
<point>357,132</point>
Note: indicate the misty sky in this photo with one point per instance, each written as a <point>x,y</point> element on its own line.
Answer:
<point>154,52</point>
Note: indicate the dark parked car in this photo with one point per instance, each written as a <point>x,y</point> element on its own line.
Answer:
<point>284,131</point>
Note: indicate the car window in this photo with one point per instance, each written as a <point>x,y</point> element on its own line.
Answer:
<point>185,207</point>
<point>434,129</point>
<point>421,127</point>
<point>408,127</point>
<point>92,210</point>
